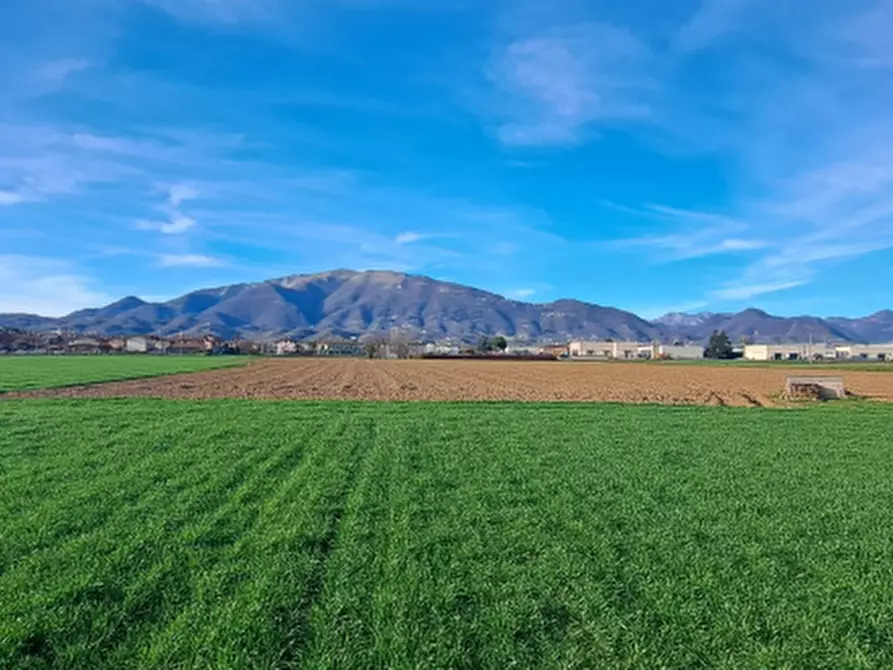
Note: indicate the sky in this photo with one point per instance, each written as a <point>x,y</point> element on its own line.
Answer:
<point>694,155</point>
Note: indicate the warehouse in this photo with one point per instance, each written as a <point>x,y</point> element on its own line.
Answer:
<point>604,349</point>
<point>676,352</point>
<point>788,352</point>
<point>866,352</point>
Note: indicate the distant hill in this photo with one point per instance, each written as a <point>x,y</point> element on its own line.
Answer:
<point>344,303</point>
<point>757,325</point>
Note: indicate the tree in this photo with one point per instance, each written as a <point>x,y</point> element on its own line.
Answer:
<point>719,346</point>
<point>498,343</point>
<point>370,350</point>
<point>399,343</point>
<point>483,345</point>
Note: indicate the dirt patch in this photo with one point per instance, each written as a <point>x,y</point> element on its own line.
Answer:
<point>356,379</point>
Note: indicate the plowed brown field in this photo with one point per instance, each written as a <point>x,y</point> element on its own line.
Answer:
<point>355,379</point>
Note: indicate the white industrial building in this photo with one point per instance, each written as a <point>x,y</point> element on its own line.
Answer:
<point>676,352</point>
<point>866,352</point>
<point>603,349</point>
<point>633,350</point>
<point>818,352</point>
<point>788,352</point>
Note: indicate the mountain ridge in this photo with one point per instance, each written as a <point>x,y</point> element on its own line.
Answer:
<point>348,303</point>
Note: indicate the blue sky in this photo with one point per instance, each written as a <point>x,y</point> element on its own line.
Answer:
<point>688,155</point>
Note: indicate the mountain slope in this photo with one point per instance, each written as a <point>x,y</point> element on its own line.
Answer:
<point>344,303</point>
<point>758,326</point>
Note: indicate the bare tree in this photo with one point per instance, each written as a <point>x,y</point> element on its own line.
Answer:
<point>399,343</point>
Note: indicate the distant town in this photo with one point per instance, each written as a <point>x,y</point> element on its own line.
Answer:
<point>396,345</point>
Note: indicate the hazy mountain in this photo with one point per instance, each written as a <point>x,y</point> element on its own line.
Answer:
<point>758,326</point>
<point>682,320</point>
<point>875,328</point>
<point>344,303</point>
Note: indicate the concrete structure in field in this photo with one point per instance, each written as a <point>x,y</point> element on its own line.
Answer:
<point>815,388</point>
<point>603,349</point>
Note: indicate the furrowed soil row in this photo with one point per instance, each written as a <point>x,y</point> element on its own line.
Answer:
<point>358,379</point>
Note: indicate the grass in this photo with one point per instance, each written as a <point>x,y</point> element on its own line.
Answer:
<point>22,373</point>
<point>238,534</point>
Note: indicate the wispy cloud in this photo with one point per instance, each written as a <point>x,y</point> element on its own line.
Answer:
<point>189,261</point>
<point>408,238</point>
<point>177,223</point>
<point>180,193</point>
<point>218,12</point>
<point>56,71</point>
<point>11,198</point>
<point>694,234</point>
<point>521,293</point>
<point>750,291</point>
<point>713,20</point>
<point>556,83</point>
<point>175,226</point>
<point>36,285</point>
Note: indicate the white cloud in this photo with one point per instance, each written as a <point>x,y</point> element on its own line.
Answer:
<point>47,287</point>
<point>694,234</point>
<point>189,261</point>
<point>408,238</point>
<point>748,291</point>
<point>521,293</point>
<point>177,225</point>
<point>180,193</point>
<point>733,244</point>
<point>11,198</point>
<point>555,83</point>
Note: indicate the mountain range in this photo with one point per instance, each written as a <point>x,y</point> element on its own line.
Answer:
<point>345,303</point>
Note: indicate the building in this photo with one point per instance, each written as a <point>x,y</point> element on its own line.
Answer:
<point>188,345</point>
<point>116,343</point>
<point>86,345</point>
<point>866,352</point>
<point>211,343</point>
<point>790,352</point>
<point>676,352</point>
<point>604,349</point>
<point>343,348</point>
<point>137,345</point>
<point>286,348</point>
<point>556,350</point>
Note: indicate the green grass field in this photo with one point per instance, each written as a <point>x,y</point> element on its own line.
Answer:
<point>238,534</point>
<point>20,373</point>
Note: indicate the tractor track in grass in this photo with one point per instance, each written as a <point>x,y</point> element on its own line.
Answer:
<point>444,380</point>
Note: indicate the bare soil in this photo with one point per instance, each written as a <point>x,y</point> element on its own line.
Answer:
<point>356,379</point>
